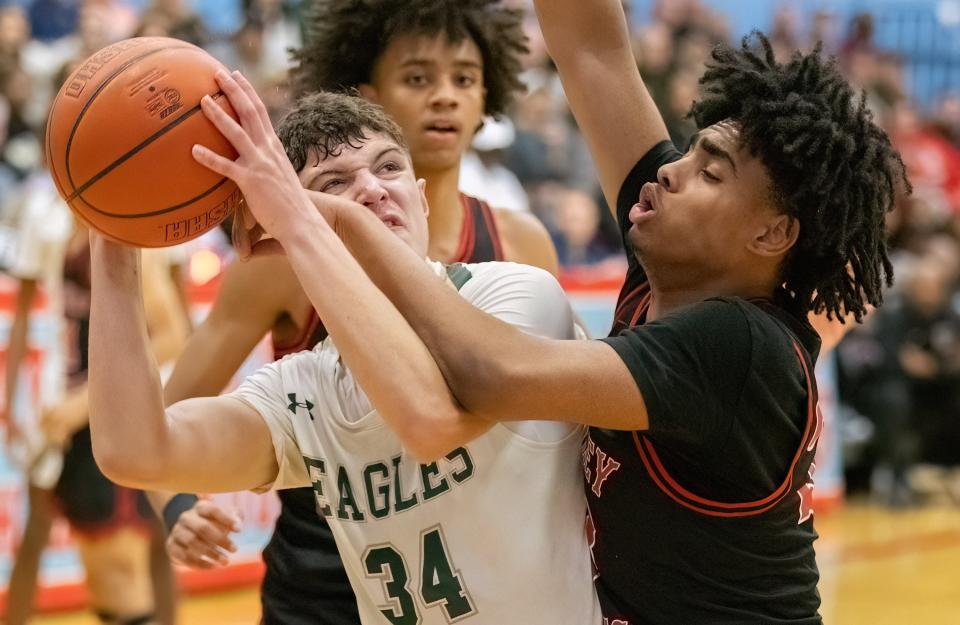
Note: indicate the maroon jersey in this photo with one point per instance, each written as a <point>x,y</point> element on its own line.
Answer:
<point>705,516</point>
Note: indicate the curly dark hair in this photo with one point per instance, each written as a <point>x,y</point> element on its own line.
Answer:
<point>326,122</point>
<point>344,39</point>
<point>832,168</point>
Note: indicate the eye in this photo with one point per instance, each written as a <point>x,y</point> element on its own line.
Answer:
<point>466,80</point>
<point>416,80</point>
<point>710,177</point>
<point>390,167</point>
<point>330,185</point>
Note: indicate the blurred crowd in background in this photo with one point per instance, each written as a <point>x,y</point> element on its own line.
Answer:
<point>899,371</point>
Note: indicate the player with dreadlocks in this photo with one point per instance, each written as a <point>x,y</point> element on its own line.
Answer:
<point>702,403</point>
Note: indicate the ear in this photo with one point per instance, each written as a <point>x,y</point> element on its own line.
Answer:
<point>777,236</point>
<point>422,185</point>
<point>368,92</point>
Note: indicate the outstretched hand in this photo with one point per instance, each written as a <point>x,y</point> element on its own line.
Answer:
<point>275,203</point>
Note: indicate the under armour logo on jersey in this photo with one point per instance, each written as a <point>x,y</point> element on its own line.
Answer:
<point>294,404</point>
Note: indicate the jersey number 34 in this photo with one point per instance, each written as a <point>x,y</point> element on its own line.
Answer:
<point>440,582</point>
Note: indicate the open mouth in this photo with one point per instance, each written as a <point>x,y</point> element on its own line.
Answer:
<point>391,221</point>
<point>442,127</point>
<point>646,204</point>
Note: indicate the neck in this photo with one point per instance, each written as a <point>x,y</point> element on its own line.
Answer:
<point>665,299</point>
<point>446,210</point>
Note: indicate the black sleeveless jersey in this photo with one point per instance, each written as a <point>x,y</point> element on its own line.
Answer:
<point>705,517</point>
<point>304,582</point>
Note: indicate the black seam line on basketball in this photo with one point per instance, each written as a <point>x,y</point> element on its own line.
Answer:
<point>93,96</point>
<point>162,210</point>
<point>133,151</point>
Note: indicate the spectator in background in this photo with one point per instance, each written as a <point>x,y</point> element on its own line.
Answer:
<point>482,172</point>
<point>947,118</point>
<point>280,34</point>
<point>576,231</point>
<point>54,19</point>
<point>249,51</point>
<point>931,160</point>
<point>177,19</point>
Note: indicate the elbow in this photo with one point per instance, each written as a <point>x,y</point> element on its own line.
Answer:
<point>433,432</point>
<point>125,464</point>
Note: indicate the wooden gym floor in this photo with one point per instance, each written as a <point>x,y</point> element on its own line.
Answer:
<point>878,567</point>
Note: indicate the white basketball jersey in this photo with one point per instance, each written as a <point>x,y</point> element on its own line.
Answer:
<point>491,534</point>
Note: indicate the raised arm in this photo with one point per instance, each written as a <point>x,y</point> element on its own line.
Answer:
<point>200,445</point>
<point>590,43</point>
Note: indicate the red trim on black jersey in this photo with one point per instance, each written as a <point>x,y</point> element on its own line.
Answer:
<point>492,233</point>
<point>479,239</point>
<point>662,478</point>
<point>467,233</point>
<point>631,307</point>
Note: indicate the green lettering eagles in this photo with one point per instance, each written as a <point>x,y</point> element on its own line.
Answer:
<point>379,490</point>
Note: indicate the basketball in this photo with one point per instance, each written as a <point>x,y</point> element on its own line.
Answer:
<point>119,139</point>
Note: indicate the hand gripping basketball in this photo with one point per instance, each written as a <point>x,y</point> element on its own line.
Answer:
<point>275,202</point>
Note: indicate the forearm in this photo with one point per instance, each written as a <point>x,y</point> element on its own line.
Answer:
<point>473,350</point>
<point>384,354</point>
<point>127,419</point>
<point>598,27</point>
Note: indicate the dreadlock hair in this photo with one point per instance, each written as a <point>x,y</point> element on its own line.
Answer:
<point>326,122</point>
<point>832,168</point>
<point>344,39</point>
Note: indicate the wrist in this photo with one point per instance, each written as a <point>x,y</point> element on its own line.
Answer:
<point>174,508</point>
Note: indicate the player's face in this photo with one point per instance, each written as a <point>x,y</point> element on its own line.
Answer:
<point>434,90</point>
<point>703,217</point>
<point>379,175</point>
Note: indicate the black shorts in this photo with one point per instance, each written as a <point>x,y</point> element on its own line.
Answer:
<point>91,503</point>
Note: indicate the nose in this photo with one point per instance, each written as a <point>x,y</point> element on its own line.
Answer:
<point>667,177</point>
<point>371,193</point>
<point>444,96</point>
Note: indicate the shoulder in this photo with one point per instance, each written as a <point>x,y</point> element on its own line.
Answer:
<point>710,317</point>
<point>527,297</point>
<point>525,239</point>
<point>507,275</point>
<point>712,333</point>
<point>292,370</point>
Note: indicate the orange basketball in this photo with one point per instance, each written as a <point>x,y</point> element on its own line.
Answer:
<point>119,140</point>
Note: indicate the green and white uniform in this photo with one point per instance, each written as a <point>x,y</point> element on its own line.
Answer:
<point>491,534</point>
